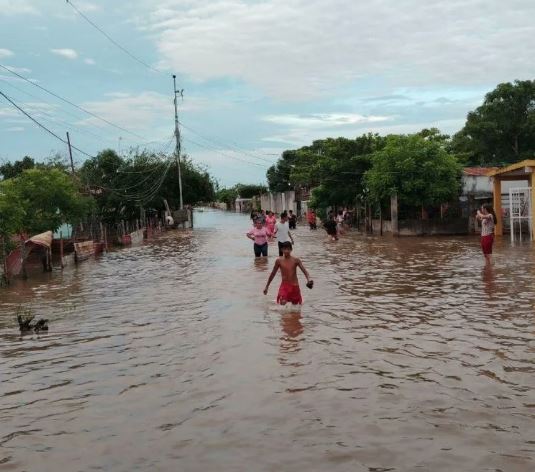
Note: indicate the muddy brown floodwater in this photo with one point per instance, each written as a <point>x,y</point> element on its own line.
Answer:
<point>407,356</point>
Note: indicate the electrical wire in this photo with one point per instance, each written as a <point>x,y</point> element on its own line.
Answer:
<point>54,118</point>
<point>43,126</point>
<point>113,41</point>
<point>213,148</point>
<point>59,97</point>
<point>229,147</point>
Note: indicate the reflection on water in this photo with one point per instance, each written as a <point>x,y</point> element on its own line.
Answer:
<point>408,355</point>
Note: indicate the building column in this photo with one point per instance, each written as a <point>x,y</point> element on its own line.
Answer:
<point>497,195</point>
<point>532,185</point>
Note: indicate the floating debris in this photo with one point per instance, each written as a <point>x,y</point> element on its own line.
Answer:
<point>25,320</point>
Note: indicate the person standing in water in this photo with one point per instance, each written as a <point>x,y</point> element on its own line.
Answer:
<point>311,218</point>
<point>330,227</point>
<point>488,219</point>
<point>340,223</point>
<point>282,231</point>
<point>292,220</point>
<point>271,221</point>
<point>289,291</point>
<point>259,234</point>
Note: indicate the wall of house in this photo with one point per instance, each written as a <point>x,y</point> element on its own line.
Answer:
<point>277,202</point>
<point>425,227</point>
<point>480,184</point>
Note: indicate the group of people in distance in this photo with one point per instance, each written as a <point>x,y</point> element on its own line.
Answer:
<point>336,223</point>
<point>266,227</point>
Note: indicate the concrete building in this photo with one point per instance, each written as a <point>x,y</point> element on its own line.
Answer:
<point>243,205</point>
<point>279,201</point>
<point>519,179</point>
<point>478,188</point>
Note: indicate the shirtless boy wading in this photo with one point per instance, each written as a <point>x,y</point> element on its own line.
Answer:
<point>289,290</point>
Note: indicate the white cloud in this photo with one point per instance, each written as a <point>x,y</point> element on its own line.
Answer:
<point>89,61</point>
<point>303,136</point>
<point>5,53</point>
<point>87,6</point>
<point>324,120</point>
<point>17,7</point>
<point>137,112</point>
<point>14,129</point>
<point>230,167</point>
<point>297,49</point>
<point>19,70</point>
<point>65,52</point>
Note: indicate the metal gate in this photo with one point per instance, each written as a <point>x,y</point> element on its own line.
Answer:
<point>520,212</point>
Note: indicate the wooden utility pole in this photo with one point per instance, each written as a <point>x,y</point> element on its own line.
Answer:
<point>70,152</point>
<point>177,135</point>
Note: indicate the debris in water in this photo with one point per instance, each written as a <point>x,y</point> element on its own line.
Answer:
<point>25,322</point>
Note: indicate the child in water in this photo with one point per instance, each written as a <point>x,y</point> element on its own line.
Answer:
<point>488,219</point>
<point>289,290</point>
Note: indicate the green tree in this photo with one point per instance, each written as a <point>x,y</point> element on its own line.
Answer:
<point>278,175</point>
<point>121,186</point>
<point>227,196</point>
<point>250,190</point>
<point>420,171</point>
<point>502,129</point>
<point>11,209</point>
<point>10,170</point>
<point>48,198</point>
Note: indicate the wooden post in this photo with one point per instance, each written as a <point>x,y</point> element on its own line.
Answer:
<point>394,214</point>
<point>23,258</point>
<point>497,197</point>
<point>106,238</point>
<point>380,220</point>
<point>532,184</point>
<point>61,249</point>
<point>4,263</point>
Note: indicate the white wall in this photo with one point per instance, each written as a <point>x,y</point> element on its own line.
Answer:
<point>473,184</point>
<point>279,201</point>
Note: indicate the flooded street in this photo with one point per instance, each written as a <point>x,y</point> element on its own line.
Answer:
<point>408,355</point>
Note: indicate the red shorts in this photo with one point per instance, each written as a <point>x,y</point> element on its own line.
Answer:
<point>486,243</point>
<point>289,292</point>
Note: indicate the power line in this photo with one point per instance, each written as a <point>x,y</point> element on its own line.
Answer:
<point>122,48</point>
<point>59,97</point>
<point>42,126</point>
<point>229,147</point>
<point>54,118</point>
<point>213,148</point>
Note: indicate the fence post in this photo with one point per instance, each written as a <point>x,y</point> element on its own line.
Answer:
<point>5,278</point>
<point>61,249</point>
<point>394,214</point>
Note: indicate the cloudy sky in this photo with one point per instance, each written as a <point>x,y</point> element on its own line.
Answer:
<point>259,76</point>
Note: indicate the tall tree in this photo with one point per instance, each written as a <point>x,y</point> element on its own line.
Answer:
<point>48,198</point>
<point>502,129</point>
<point>420,171</point>
<point>10,170</point>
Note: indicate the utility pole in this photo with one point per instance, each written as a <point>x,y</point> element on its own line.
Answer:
<point>177,135</point>
<point>70,152</point>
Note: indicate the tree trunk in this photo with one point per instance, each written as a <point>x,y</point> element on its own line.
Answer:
<point>515,145</point>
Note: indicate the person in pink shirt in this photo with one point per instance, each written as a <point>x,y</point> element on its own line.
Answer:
<point>259,234</point>
<point>271,221</point>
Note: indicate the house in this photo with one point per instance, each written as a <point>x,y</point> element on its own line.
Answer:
<point>477,188</point>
